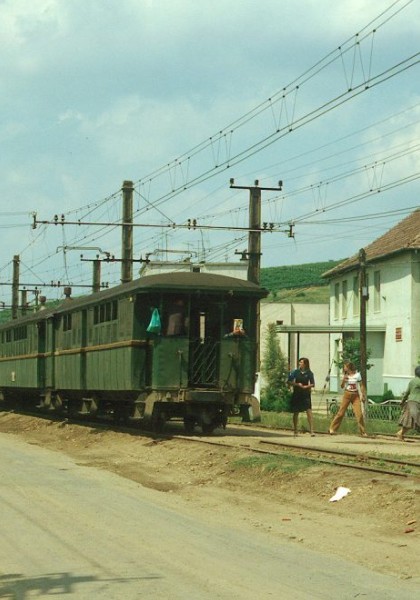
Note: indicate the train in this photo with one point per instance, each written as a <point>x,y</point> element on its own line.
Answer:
<point>179,345</point>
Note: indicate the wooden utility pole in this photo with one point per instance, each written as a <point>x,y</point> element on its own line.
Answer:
<point>364,296</point>
<point>127,233</point>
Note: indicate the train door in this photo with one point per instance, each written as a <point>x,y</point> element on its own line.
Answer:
<point>83,344</point>
<point>42,334</point>
<point>205,320</point>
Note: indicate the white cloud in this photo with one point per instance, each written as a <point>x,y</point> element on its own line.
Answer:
<point>96,92</point>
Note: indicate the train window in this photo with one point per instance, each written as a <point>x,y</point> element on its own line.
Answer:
<point>20,333</point>
<point>202,319</point>
<point>176,317</point>
<point>67,322</point>
<point>105,312</point>
<point>108,311</point>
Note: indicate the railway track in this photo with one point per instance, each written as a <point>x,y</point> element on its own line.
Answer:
<point>252,443</point>
<point>339,458</point>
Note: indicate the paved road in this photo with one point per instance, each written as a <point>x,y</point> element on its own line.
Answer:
<point>85,533</point>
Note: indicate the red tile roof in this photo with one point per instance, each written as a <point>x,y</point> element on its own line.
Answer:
<point>404,236</point>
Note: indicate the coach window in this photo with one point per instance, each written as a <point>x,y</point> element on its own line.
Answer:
<point>67,322</point>
<point>105,312</point>
<point>176,313</point>
<point>20,333</point>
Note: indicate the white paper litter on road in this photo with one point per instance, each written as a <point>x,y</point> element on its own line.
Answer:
<point>341,492</point>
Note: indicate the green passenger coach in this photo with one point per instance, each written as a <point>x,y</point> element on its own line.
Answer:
<point>176,345</point>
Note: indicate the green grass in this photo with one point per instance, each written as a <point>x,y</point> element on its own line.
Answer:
<point>274,420</point>
<point>268,465</point>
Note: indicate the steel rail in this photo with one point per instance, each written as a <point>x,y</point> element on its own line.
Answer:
<point>349,454</point>
<point>300,448</point>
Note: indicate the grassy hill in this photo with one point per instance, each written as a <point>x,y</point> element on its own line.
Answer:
<point>298,283</point>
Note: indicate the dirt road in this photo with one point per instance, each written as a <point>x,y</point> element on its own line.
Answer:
<point>376,526</point>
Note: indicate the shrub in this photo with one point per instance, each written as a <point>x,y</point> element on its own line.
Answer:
<point>275,396</point>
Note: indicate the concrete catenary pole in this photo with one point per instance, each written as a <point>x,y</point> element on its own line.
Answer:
<point>254,236</point>
<point>96,280</point>
<point>24,301</point>
<point>254,241</point>
<point>127,233</point>
<point>15,287</point>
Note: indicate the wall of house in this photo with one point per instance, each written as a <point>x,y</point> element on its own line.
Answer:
<point>415,303</point>
<point>394,300</point>
<point>313,346</point>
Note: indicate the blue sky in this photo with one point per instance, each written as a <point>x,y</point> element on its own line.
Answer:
<point>175,96</point>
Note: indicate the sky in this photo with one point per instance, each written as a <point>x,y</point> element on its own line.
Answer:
<point>180,96</point>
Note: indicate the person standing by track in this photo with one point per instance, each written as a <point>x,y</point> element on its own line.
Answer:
<point>354,394</point>
<point>410,418</point>
<point>302,380</point>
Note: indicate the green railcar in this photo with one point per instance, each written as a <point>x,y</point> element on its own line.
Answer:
<point>181,345</point>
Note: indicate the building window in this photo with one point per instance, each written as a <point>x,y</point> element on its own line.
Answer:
<point>356,299</point>
<point>344,299</point>
<point>367,292</point>
<point>377,291</point>
<point>398,334</point>
<point>336,300</point>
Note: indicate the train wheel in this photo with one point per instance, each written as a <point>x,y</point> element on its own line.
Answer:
<point>189,424</point>
<point>73,408</point>
<point>208,428</point>
<point>158,420</point>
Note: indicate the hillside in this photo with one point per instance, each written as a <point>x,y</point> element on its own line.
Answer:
<point>310,295</point>
<point>296,276</point>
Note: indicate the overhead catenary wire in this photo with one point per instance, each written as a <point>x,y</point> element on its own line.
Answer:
<point>351,44</point>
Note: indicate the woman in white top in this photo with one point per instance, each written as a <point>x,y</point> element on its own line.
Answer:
<point>354,394</point>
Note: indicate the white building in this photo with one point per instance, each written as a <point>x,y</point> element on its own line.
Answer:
<point>294,325</point>
<point>229,269</point>
<point>392,308</point>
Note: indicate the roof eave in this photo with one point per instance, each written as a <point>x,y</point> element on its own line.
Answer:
<point>354,265</point>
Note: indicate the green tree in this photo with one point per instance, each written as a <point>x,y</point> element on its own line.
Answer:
<point>351,353</point>
<point>275,395</point>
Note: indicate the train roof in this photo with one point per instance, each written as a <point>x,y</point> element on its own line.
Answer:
<point>181,282</point>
